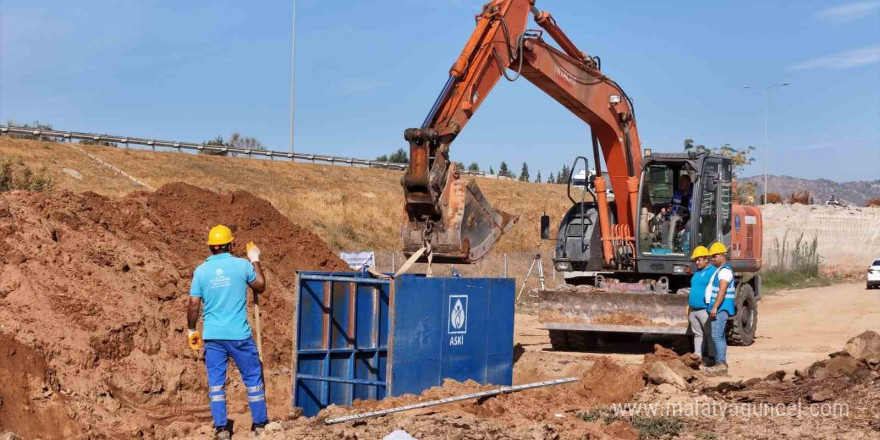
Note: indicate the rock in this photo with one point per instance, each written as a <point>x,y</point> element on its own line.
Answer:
<point>865,346</point>
<point>692,360</point>
<point>776,375</point>
<point>665,388</point>
<point>838,367</point>
<point>72,173</point>
<point>274,427</point>
<point>9,435</point>
<point>15,256</point>
<point>660,373</point>
<point>545,432</point>
<point>295,413</point>
<point>820,396</point>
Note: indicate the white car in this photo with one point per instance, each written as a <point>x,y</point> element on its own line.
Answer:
<point>874,274</point>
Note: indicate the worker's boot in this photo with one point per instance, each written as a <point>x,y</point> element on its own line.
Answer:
<point>222,433</point>
<point>719,369</point>
<point>258,428</point>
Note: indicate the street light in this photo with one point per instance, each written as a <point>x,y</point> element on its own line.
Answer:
<point>292,53</point>
<point>766,123</point>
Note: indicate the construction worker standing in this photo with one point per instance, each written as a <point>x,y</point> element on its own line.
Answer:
<point>698,314</point>
<point>721,297</point>
<point>221,282</point>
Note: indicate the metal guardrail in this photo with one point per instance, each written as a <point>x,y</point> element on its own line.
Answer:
<point>153,143</point>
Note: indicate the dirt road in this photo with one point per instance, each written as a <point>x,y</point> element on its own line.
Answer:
<point>795,329</point>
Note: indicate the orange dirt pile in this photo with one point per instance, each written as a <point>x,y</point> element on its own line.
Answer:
<point>550,412</point>
<point>823,381</point>
<point>685,365</point>
<point>93,296</point>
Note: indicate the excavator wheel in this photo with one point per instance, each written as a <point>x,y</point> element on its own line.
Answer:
<point>741,331</point>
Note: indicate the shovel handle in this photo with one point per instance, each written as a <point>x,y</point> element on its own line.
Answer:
<point>259,326</point>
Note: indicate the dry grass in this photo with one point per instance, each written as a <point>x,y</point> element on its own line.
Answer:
<point>350,208</point>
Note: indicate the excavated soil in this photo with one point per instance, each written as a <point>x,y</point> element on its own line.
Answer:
<point>93,295</point>
<point>542,413</point>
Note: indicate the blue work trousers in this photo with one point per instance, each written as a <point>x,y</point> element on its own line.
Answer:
<point>247,359</point>
<point>719,324</point>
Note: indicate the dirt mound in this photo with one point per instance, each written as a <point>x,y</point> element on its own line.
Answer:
<point>100,285</point>
<point>550,412</point>
<point>822,381</point>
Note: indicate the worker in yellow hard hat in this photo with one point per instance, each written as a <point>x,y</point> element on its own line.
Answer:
<point>698,316</point>
<point>721,298</point>
<point>221,282</point>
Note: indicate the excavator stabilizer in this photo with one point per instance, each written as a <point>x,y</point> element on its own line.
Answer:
<point>467,229</point>
<point>595,310</point>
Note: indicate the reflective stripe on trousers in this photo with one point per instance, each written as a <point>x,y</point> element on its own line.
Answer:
<point>244,354</point>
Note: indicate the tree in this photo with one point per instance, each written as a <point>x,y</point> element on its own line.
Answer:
<point>473,167</point>
<point>399,156</point>
<point>503,171</point>
<point>563,175</point>
<point>217,141</point>
<point>491,171</point>
<point>739,158</point>
<point>524,174</point>
<point>245,142</point>
<point>551,179</point>
<point>538,177</point>
<point>459,166</point>
<point>36,125</point>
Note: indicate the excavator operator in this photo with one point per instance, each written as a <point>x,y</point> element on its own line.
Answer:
<point>678,212</point>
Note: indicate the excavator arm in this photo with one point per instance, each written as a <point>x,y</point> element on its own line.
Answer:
<point>448,215</point>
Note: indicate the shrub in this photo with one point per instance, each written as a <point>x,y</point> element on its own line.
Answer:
<point>36,125</point>
<point>802,197</point>
<point>14,175</point>
<point>94,142</point>
<point>873,202</point>
<point>772,198</point>
<point>796,264</point>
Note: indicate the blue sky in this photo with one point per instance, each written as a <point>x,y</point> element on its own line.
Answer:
<point>366,70</point>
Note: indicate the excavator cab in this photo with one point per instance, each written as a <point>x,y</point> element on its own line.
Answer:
<point>685,200</point>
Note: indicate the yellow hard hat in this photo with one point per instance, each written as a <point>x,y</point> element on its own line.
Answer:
<point>717,248</point>
<point>700,251</point>
<point>220,235</point>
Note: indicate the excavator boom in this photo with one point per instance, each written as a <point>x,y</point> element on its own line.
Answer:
<point>449,216</point>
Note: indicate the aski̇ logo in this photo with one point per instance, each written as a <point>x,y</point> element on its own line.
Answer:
<point>458,306</point>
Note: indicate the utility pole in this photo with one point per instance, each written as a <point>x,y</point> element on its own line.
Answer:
<point>766,129</point>
<point>292,53</point>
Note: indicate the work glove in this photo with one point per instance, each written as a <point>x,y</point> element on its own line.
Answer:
<point>253,252</point>
<point>194,339</point>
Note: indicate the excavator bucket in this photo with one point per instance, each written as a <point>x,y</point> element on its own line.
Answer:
<point>583,308</point>
<point>466,230</point>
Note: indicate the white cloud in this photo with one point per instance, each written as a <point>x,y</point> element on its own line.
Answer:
<point>849,12</point>
<point>842,60</point>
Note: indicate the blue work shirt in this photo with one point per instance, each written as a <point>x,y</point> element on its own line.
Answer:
<point>699,283</point>
<point>222,283</point>
<point>681,199</point>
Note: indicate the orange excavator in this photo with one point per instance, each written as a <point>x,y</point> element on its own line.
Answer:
<point>627,260</point>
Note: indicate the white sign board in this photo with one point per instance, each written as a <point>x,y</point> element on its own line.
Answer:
<point>357,260</point>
